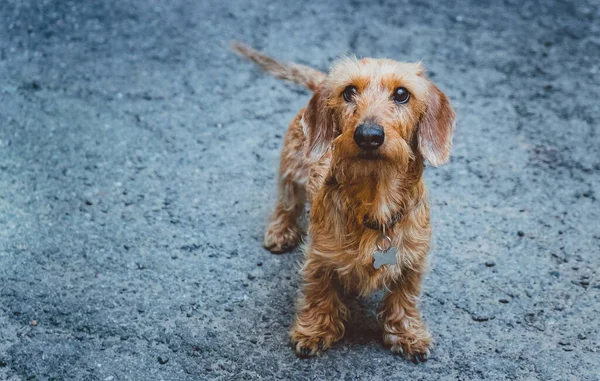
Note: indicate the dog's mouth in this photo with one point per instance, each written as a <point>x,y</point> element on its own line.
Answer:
<point>371,156</point>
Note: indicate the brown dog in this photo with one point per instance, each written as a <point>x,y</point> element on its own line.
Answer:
<point>357,153</point>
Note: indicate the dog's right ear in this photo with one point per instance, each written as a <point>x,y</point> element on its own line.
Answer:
<point>318,126</point>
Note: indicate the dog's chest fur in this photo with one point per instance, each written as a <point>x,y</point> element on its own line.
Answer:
<point>342,242</point>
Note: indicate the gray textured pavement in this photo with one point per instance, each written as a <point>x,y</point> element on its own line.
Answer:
<point>137,173</point>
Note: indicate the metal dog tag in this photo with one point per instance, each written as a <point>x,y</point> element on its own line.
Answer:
<point>385,256</point>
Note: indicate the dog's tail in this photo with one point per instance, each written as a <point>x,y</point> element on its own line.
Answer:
<point>300,74</point>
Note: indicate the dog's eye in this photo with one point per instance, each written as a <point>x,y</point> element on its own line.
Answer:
<point>401,95</point>
<point>349,93</point>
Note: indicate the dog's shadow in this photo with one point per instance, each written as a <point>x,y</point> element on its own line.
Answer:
<point>363,326</point>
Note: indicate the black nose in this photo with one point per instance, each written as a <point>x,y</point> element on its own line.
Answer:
<point>369,136</point>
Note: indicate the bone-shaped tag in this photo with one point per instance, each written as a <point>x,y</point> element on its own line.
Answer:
<point>387,257</point>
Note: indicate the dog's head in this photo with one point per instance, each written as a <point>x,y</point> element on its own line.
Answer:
<point>378,112</point>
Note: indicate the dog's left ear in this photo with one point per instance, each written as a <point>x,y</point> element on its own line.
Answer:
<point>436,128</point>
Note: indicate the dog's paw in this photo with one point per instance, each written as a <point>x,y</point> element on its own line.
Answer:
<point>415,349</point>
<point>281,238</point>
<point>309,346</point>
<point>306,347</point>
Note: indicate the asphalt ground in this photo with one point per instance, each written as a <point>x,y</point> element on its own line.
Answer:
<point>137,173</point>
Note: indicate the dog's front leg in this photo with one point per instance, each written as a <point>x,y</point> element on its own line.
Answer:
<point>320,313</point>
<point>404,329</point>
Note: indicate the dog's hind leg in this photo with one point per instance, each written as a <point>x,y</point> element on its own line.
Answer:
<point>284,233</point>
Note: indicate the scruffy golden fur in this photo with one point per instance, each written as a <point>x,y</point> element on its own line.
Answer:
<point>321,163</point>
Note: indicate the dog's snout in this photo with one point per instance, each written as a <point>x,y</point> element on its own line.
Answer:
<point>369,136</point>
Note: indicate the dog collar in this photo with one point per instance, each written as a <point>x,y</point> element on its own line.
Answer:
<point>374,225</point>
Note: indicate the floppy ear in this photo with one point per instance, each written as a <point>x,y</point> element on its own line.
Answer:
<point>436,128</point>
<point>318,126</point>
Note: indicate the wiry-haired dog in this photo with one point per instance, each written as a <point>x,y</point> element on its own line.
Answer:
<point>357,153</point>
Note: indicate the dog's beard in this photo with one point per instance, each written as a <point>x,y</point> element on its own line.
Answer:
<point>370,164</point>
<point>359,167</point>
<point>350,164</point>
